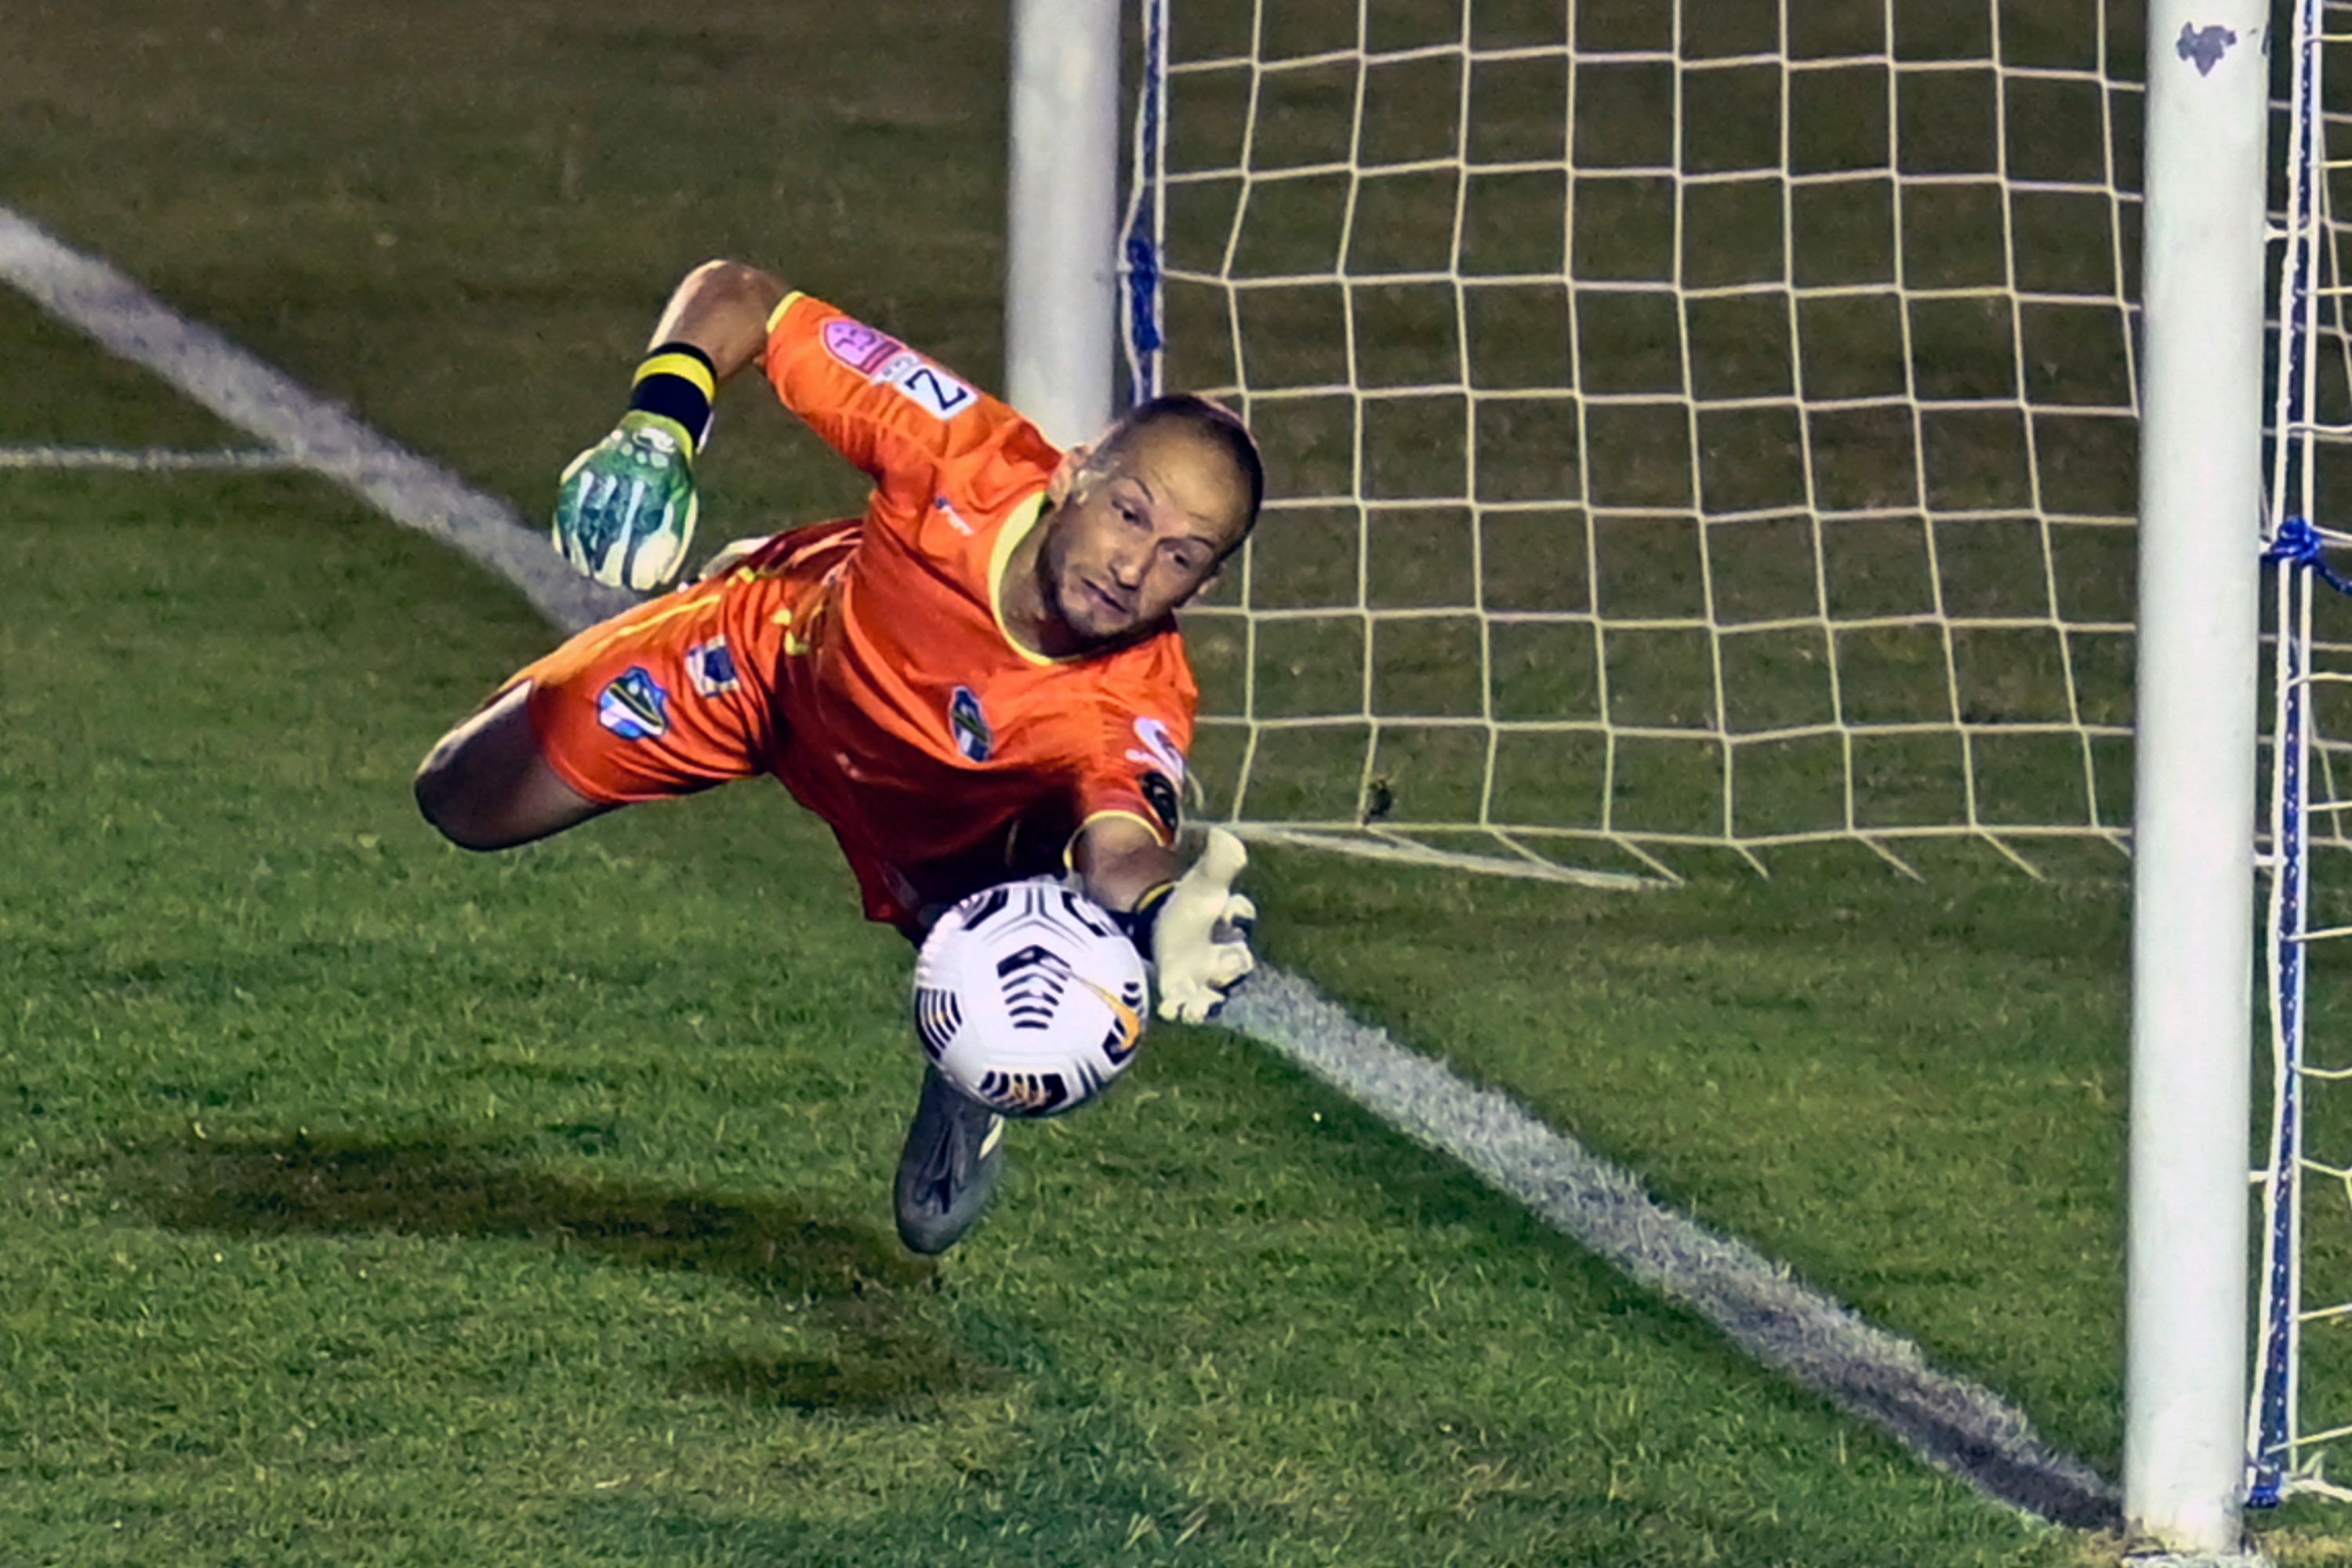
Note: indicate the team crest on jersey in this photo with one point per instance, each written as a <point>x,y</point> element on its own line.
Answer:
<point>859,346</point>
<point>633,706</point>
<point>969,725</point>
<point>711,665</point>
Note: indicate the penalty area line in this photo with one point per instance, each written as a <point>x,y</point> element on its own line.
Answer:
<point>144,459</point>
<point>288,417</point>
<point>1958,1425</point>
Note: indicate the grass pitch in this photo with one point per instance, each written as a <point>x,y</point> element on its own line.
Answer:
<point>372,1203</point>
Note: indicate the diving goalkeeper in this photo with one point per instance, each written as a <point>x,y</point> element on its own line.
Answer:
<point>980,679</point>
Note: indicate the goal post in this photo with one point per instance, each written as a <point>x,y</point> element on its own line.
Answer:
<point>1061,274</point>
<point>2201,401</point>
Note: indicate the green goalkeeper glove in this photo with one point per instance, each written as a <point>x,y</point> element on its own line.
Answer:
<point>1199,932</point>
<point>624,514</point>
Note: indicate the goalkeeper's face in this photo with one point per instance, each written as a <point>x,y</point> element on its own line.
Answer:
<point>1136,532</point>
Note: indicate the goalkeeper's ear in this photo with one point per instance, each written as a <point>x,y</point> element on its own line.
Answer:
<point>1064,481</point>
<point>1205,584</point>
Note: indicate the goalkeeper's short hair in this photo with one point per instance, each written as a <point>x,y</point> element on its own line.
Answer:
<point>1204,420</point>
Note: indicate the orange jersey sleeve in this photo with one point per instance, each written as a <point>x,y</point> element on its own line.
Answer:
<point>899,415</point>
<point>1132,763</point>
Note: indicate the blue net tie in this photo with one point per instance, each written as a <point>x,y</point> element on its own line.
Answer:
<point>2298,543</point>
<point>1142,288</point>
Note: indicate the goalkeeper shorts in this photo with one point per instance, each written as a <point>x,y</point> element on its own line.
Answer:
<point>682,692</point>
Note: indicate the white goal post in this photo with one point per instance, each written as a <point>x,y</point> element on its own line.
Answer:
<point>2193,841</point>
<point>1712,427</point>
<point>1061,269</point>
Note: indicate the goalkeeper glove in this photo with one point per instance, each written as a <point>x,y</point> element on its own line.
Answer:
<point>1198,928</point>
<point>624,512</point>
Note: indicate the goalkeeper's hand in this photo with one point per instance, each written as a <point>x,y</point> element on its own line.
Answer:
<point>1200,935</point>
<point>625,513</point>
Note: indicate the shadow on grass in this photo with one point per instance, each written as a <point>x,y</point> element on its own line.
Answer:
<point>855,1279</point>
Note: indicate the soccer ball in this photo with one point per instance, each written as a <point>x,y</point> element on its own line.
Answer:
<point>1028,999</point>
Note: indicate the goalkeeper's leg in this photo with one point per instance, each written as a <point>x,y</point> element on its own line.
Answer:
<point>948,1169</point>
<point>670,697</point>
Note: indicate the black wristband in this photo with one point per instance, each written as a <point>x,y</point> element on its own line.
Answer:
<point>678,381</point>
<point>1140,921</point>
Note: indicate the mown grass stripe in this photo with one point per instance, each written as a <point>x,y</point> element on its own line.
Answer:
<point>1958,1425</point>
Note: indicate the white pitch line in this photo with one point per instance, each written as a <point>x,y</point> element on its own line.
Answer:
<point>1958,1425</point>
<point>144,459</point>
<point>1404,852</point>
<point>288,417</point>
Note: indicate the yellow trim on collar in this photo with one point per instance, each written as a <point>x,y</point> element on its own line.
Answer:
<point>1016,527</point>
<point>782,305</point>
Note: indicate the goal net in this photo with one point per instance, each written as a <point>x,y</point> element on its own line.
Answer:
<point>1688,423</point>
<point>2302,1408</point>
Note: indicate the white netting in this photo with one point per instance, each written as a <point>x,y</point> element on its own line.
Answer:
<point>1698,422</point>
<point>2303,1388</point>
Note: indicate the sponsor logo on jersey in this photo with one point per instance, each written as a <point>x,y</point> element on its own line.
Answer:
<point>904,893</point>
<point>1158,749</point>
<point>711,665</point>
<point>1162,781</point>
<point>969,725</point>
<point>859,346</point>
<point>946,509</point>
<point>633,706</point>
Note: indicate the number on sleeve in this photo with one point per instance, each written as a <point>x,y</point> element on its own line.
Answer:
<point>936,392</point>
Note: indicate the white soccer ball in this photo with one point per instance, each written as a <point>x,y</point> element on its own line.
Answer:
<point>1028,999</point>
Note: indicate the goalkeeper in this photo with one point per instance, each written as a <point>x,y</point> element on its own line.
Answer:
<point>980,679</point>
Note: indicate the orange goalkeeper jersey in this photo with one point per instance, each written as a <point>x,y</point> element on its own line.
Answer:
<point>866,663</point>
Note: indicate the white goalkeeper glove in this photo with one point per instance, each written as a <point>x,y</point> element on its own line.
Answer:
<point>1199,932</point>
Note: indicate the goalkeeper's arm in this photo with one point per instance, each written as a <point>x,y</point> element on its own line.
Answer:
<point>1187,920</point>
<point>722,309</point>
<point>626,511</point>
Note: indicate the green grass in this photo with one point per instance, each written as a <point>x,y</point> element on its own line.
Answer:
<point>94,400</point>
<point>372,1203</point>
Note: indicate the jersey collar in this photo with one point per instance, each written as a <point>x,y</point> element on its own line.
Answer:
<point>1016,527</point>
